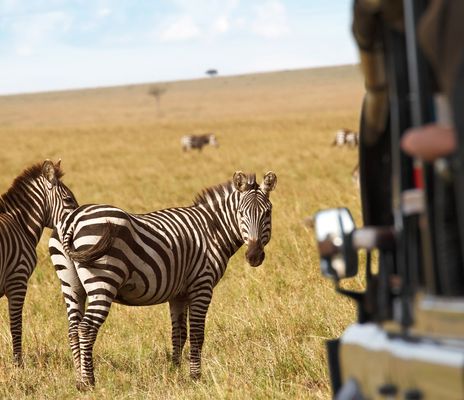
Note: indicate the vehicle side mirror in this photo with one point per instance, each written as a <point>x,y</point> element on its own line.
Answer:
<point>334,228</point>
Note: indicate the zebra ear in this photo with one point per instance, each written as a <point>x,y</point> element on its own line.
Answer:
<point>269,182</point>
<point>48,171</point>
<point>58,164</point>
<point>240,181</point>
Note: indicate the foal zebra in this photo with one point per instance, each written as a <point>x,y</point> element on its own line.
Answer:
<point>198,141</point>
<point>177,255</point>
<point>37,199</point>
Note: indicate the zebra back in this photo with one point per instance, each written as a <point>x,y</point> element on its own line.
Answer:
<point>198,141</point>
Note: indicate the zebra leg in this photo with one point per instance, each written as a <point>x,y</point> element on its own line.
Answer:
<point>100,300</point>
<point>178,308</point>
<point>73,293</point>
<point>75,313</point>
<point>197,315</point>
<point>16,293</point>
<point>75,297</point>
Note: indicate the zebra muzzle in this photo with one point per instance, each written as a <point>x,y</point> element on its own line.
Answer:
<point>255,253</point>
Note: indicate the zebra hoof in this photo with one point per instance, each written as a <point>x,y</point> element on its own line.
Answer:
<point>196,376</point>
<point>18,361</point>
<point>85,385</point>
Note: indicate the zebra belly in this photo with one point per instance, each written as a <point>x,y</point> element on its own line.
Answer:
<point>134,292</point>
<point>129,301</point>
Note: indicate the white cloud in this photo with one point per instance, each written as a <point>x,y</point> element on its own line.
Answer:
<point>9,6</point>
<point>213,16</point>
<point>200,8</point>
<point>24,51</point>
<point>270,19</point>
<point>221,24</point>
<point>104,12</point>
<point>182,28</point>
<point>240,22</point>
<point>39,31</point>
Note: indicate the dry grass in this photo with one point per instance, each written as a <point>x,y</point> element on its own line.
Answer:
<point>266,326</point>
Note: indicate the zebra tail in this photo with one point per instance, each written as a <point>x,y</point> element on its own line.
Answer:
<point>98,250</point>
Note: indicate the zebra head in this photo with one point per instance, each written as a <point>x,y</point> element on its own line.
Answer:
<point>59,200</point>
<point>254,213</point>
<point>212,140</point>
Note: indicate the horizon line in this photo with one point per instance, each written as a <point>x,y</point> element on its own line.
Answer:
<point>219,76</point>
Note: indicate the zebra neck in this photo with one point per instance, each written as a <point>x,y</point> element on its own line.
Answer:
<point>223,224</point>
<point>25,205</point>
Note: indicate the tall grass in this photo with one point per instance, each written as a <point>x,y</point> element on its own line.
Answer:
<point>266,326</point>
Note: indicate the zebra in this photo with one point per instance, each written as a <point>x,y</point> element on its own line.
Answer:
<point>346,137</point>
<point>36,199</point>
<point>355,175</point>
<point>177,255</point>
<point>198,141</point>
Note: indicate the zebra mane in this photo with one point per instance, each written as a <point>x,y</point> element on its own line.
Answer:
<point>210,195</point>
<point>28,175</point>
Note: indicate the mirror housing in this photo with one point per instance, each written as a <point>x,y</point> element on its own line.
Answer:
<point>334,229</point>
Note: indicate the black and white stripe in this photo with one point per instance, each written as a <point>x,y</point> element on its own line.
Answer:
<point>346,137</point>
<point>189,142</point>
<point>104,254</point>
<point>37,199</point>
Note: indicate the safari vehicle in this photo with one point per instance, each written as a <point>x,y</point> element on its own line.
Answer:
<point>408,340</point>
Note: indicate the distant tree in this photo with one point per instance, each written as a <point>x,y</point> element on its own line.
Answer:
<point>212,72</point>
<point>157,92</point>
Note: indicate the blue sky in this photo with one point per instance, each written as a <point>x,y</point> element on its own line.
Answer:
<point>60,44</point>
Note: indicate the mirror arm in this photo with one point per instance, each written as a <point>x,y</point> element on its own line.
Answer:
<point>370,237</point>
<point>362,299</point>
<point>357,296</point>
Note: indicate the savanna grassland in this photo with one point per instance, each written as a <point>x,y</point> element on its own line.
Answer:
<point>266,326</point>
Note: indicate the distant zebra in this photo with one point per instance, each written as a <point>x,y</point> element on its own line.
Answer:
<point>36,199</point>
<point>346,137</point>
<point>198,141</point>
<point>355,175</point>
<point>178,255</point>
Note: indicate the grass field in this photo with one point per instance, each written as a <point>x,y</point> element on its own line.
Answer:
<point>266,326</point>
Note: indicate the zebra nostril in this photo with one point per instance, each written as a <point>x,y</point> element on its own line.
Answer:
<point>254,253</point>
<point>256,260</point>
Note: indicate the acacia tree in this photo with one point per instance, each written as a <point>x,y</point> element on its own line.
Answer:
<point>157,92</point>
<point>212,72</point>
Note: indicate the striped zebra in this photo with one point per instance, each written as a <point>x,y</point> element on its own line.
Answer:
<point>103,254</point>
<point>346,137</point>
<point>355,175</point>
<point>36,199</point>
<point>198,141</point>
